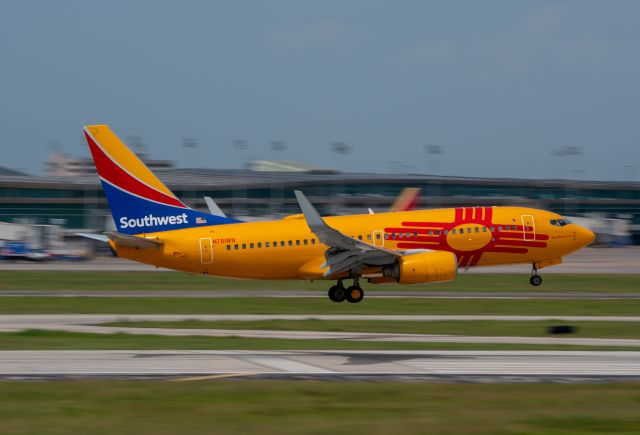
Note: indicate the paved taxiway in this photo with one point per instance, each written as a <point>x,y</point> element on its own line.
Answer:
<point>194,365</point>
<point>93,324</point>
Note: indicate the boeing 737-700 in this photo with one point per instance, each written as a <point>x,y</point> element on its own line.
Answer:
<point>409,247</point>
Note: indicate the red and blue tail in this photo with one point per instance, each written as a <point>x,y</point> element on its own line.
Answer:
<point>139,201</point>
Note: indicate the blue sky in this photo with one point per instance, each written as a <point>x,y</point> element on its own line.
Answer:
<point>498,84</point>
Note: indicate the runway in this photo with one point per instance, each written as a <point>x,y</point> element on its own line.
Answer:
<point>203,365</point>
<point>92,324</point>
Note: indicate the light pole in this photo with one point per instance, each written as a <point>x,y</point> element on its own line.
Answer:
<point>340,149</point>
<point>567,151</point>
<point>241,146</point>
<point>433,157</point>
<point>278,149</point>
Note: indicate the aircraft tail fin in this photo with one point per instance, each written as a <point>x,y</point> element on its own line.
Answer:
<point>139,201</point>
<point>407,200</point>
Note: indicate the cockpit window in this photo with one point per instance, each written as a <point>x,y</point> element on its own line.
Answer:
<point>560,222</point>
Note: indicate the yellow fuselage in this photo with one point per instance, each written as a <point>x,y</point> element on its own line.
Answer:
<point>286,249</point>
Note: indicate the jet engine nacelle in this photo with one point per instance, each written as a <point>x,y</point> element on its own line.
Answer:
<point>423,267</point>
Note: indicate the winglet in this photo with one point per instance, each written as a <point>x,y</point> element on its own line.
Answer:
<point>214,209</point>
<point>326,234</point>
<point>311,215</point>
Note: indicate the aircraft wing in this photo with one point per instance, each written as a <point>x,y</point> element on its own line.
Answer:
<point>344,252</point>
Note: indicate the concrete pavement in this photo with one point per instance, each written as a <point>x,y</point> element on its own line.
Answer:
<point>196,365</point>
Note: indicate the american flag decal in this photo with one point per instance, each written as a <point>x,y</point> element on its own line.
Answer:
<point>200,220</point>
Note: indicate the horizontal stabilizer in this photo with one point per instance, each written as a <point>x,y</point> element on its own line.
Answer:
<point>99,237</point>
<point>134,241</point>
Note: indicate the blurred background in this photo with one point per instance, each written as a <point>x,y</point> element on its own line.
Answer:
<point>532,104</point>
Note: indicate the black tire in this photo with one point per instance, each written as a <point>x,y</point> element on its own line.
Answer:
<point>337,293</point>
<point>354,294</point>
<point>535,280</point>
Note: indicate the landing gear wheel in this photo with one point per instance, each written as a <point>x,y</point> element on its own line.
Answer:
<point>535,280</point>
<point>337,293</point>
<point>354,294</point>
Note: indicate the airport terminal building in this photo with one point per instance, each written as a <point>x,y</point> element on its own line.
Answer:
<point>78,202</point>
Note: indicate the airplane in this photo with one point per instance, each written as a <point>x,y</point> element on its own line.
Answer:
<point>409,247</point>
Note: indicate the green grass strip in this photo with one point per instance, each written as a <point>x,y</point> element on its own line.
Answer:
<point>298,407</point>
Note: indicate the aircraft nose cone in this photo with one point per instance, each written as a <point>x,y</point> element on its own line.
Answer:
<point>585,236</point>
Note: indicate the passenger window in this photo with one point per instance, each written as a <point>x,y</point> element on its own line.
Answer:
<point>499,227</point>
<point>469,230</point>
<point>484,229</point>
<point>446,232</point>
<point>297,242</point>
<point>431,232</point>
<point>493,229</point>
<point>244,246</point>
<point>259,244</point>
<point>359,237</point>
<point>415,234</point>
<point>290,243</point>
<point>477,230</point>
<point>281,242</point>
<point>266,244</point>
<point>305,241</point>
<point>251,245</point>
<point>228,247</point>
<point>275,244</point>
<point>313,241</point>
<point>386,236</point>
<point>378,236</point>
<point>235,247</point>
<point>368,236</point>
<point>453,231</point>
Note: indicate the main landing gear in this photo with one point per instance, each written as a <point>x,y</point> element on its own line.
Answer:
<point>535,279</point>
<point>353,294</point>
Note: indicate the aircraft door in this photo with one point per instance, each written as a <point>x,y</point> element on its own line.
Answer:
<point>378,238</point>
<point>528,227</point>
<point>206,250</point>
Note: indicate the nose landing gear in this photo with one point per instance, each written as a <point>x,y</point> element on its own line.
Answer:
<point>535,279</point>
<point>352,294</point>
